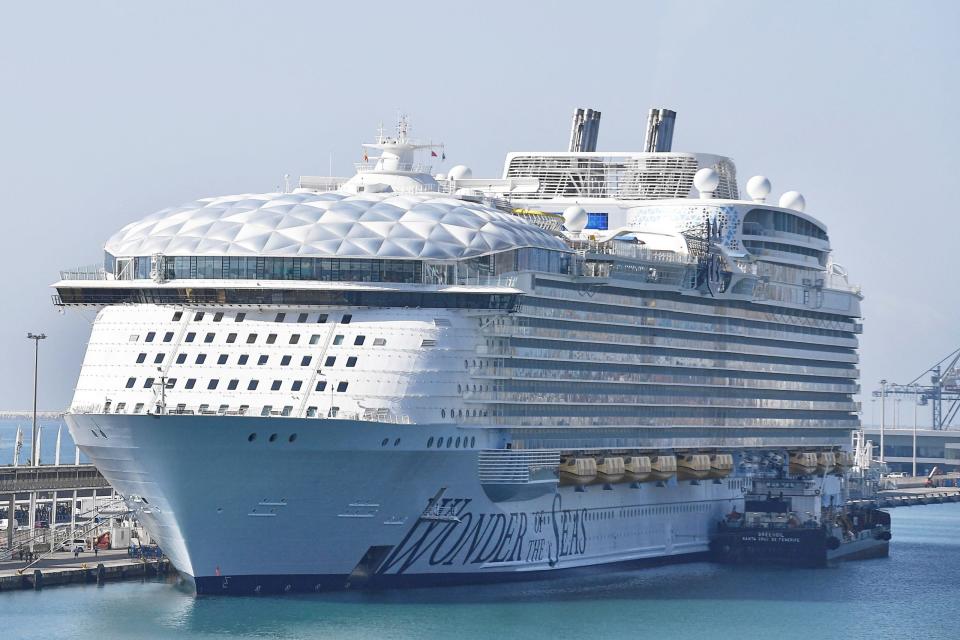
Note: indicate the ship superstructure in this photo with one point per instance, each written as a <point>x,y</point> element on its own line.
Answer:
<point>405,378</point>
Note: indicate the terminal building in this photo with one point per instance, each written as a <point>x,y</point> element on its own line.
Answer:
<point>935,448</point>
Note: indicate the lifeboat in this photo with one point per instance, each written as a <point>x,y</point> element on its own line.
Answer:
<point>693,466</point>
<point>826,462</point>
<point>803,463</point>
<point>610,469</point>
<point>662,467</point>
<point>721,465</point>
<point>844,461</point>
<point>578,471</point>
<point>637,468</point>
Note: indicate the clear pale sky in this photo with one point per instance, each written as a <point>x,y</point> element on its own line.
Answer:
<point>111,111</point>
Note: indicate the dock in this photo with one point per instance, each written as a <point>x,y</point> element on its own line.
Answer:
<point>63,568</point>
<point>910,496</point>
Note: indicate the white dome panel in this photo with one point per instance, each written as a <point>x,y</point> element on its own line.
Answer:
<point>331,224</point>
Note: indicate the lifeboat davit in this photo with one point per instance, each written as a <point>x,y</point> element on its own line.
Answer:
<point>693,466</point>
<point>663,467</point>
<point>826,461</point>
<point>578,471</point>
<point>637,468</point>
<point>844,461</point>
<point>610,469</point>
<point>803,463</point>
<point>721,465</point>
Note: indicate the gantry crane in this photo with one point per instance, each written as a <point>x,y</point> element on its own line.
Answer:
<point>944,386</point>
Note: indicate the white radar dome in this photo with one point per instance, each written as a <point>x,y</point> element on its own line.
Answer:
<point>793,200</point>
<point>706,181</point>
<point>758,187</point>
<point>460,172</point>
<point>575,218</point>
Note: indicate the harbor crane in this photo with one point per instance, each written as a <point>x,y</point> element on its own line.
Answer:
<point>944,387</point>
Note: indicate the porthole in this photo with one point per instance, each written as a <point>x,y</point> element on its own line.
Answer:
<point>273,437</point>
<point>439,442</point>
<point>457,445</point>
<point>396,442</point>
<point>430,442</point>
<point>384,442</point>
<point>251,437</point>
<point>473,442</point>
<point>449,441</point>
<point>292,438</point>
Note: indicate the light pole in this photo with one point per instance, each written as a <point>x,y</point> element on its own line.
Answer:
<point>916,403</point>
<point>36,337</point>
<point>883,414</point>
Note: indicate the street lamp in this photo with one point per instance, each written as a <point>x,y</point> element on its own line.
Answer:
<point>34,449</point>
<point>883,414</point>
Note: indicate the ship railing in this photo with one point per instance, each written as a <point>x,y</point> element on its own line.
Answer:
<point>86,272</point>
<point>410,167</point>
<point>637,252</point>
<point>477,280</point>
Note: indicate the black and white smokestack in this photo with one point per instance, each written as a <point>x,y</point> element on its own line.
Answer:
<point>659,130</point>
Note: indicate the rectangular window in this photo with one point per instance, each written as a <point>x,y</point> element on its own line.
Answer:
<point>295,338</point>
<point>262,360</point>
<point>311,412</point>
<point>190,384</point>
<point>314,339</point>
<point>266,410</point>
<point>252,338</point>
<point>321,385</point>
<point>280,317</point>
<point>243,359</point>
<point>148,383</point>
<point>275,386</point>
<point>171,383</point>
<point>190,336</point>
<point>296,385</point>
<point>138,408</point>
<point>141,358</point>
<point>158,359</point>
<point>209,337</point>
<point>341,386</point>
<point>338,339</point>
<point>222,359</point>
<point>240,317</point>
<point>150,336</point>
<point>379,342</point>
<point>121,406</point>
<point>252,386</point>
<point>302,317</point>
<point>177,316</point>
<point>322,318</point>
<point>284,361</point>
<point>231,338</point>
<point>198,317</point>
<point>359,340</point>
<point>352,361</point>
<point>330,361</point>
<point>213,384</point>
<point>287,410</point>
<point>201,358</point>
<point>131,382</point>
<point>232,385</point>
<point>134,337</point>
<point>347,317</point>
<point>218,316</point>
<point>272,338</point>
<point>181,358</point>
<point>305,361</point>
<point>168,336</point>
<point>332,413</point>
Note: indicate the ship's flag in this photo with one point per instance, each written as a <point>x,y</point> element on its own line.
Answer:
<point>433,154</point>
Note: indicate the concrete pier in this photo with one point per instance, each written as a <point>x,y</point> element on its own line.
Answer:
<point>64,568</point>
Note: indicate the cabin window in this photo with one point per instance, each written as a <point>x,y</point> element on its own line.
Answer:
<point>280,317</point>
<point>314,339</point>
<point>148,383</point>
<point>305,361</point>
<point>338,339</point>
<point>198,316</point>
<point>222,359</point>
<point>321,385</point>
<point>231,338</point>
<point>243,359</point>
<point>379,342</point>
<point>168,336</point>
<point>141,358</point>
<point>347,317</point>
<point>295,338</point>
<point>341,387</point>
<point>232,385</point>
<point>201,357</point>
<point>252,385</point>
<point>272,338</point>
<point>330,361</point>
<point>131,382</point>
<point>177,316</point>
<point>190,336</point>
<point>252,338</point>
<point>322,318</point>
<point>296,385</point>
<point>284,361</point>
<point>209,337</point>
<point>150,336</point>
<point>302,317</point>
<point>181,358</point>
<point>240,317</point>
<point>158,358</point>
<point>275,386</point>
<point>262,360</point>
<point>359,340</point>
<point>352,361</point>
<point>213,384</point>
<point>190,384</point>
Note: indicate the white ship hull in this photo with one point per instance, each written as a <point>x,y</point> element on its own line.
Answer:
<point>336,508</point>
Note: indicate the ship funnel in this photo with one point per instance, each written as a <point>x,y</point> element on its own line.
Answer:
<point>584,130</point>
<point>659,130</point>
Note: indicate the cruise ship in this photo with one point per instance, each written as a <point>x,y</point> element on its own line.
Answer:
<point>414,378</point>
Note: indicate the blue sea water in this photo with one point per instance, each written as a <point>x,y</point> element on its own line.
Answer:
<point>913,594</point>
